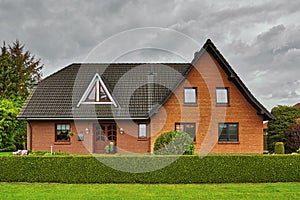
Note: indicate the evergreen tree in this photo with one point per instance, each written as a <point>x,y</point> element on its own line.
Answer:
<point>19,70</point>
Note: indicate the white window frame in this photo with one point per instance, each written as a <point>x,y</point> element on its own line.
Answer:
<point>186,95</point>
<point>142,130</point>
<point>96,79</point>
<point>224,99</point>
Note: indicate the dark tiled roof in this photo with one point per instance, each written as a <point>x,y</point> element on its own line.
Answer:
<point>131,86</point>
<point>297,105</point>
<point>140,89</point>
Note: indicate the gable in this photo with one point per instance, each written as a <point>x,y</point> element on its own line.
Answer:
<point>211,49</point>
<point>97,93</point>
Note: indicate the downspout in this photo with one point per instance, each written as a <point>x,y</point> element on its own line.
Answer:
<point>30,135</point>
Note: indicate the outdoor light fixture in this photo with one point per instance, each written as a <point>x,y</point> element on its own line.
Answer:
<point>87,131</point>
<point>121,131</point>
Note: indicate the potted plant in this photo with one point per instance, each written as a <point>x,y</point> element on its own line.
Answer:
<point>70,134</point>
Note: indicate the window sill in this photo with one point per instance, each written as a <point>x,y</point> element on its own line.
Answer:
<point>62,143</point>
<point>222,105</point>
<point>191,104</point>
<point>142,139</point>
<point>229,142</point>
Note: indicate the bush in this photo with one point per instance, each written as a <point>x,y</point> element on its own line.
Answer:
<point>279,148</point>
<point>186,169</point>
<point>293,138</point>
<point>174,143</point>
<point>110,148</point>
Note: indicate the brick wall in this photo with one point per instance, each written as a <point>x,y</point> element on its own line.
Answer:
<point>206,76</point>
<point>43,136</point>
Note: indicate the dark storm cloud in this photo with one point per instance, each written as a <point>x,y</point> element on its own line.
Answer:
<point>260,39</point>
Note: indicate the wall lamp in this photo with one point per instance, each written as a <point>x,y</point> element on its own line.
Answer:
<point>87,130</point>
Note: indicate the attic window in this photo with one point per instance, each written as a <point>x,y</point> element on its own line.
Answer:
<point>97,93</point>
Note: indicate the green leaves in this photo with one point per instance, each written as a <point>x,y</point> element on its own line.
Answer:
<point>186,169</point>
<point>174,143</point>
<point>277,129</point>
<point>9,125</point>
<point>19,70</point>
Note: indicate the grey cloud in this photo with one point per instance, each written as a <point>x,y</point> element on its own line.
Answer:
<point>260,39</point>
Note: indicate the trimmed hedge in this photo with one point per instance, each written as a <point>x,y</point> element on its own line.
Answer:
<point>186,169</point>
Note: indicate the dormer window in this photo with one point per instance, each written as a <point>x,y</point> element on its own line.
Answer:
<point>97,93</point>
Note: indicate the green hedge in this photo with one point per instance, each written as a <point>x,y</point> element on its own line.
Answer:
<point>186,169</point>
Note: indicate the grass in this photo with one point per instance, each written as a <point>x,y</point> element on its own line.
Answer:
<point>5,153</point>
<point>143,191</point>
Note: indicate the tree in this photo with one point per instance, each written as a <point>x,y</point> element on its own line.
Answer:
<point>293,138</point>
<point>19,70</point>
<point>277,129</point>
<point>9,125</point>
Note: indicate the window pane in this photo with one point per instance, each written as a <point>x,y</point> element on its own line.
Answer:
<point>223,132</point>
<point>189,128</point>
<point>179,127</point>
<point>228,132</point>
<point>142,130</point>
<point>190,95</point>
<point>92,95</point>
<point>233,132</point>
<point>62,131</point>
<point>222,95</point>
<point>102,94</point>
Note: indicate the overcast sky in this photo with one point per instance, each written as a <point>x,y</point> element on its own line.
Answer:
<point>260,39</point>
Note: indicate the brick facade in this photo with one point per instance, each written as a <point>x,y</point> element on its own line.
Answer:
<point>206,76</point>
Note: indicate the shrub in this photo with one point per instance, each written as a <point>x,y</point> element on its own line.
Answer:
<point>110,148</point>
<point>279,148</point>
<point>293,138</point>
<point>186,169</point>
<point>174,143</point>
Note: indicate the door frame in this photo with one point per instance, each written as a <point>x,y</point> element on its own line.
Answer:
<point>106,124</point>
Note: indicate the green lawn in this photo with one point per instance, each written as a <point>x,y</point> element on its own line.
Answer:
<point>140,191</point>
<point>5,153</point>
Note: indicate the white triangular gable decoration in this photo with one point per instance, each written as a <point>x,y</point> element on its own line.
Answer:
<point>98,89</point>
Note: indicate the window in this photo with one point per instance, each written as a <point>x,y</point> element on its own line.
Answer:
<point>189,128</point>
<point>62,131</point>
<point>97,93</point>
<point>228,132</point>
<point>190,95</point>
<point>222,96</point>
<point>142,130</point>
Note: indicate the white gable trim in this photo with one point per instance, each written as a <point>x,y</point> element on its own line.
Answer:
<point>95,79</point>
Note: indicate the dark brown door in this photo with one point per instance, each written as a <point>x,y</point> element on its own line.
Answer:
<point>104,134</point>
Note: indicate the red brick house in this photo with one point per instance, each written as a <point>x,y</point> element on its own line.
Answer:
<point>131,104</point>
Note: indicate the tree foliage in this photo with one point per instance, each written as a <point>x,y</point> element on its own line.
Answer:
<point>293,138</point>
<point>174,143</point>
<point>10,126</point>
<point>19,70</point>
<point>277,129</point>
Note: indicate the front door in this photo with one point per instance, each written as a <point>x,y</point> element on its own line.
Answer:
<point>104,134</point>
